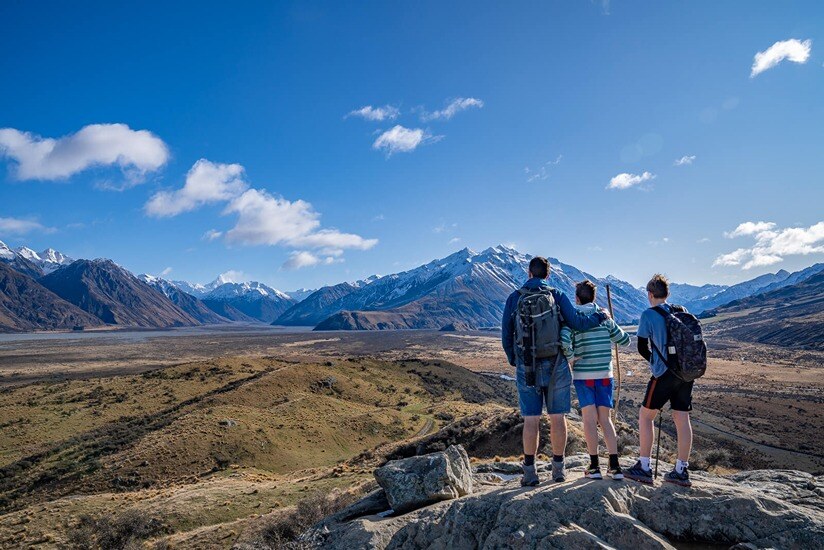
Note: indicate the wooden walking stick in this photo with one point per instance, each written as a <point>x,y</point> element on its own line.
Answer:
<point>617,363</point>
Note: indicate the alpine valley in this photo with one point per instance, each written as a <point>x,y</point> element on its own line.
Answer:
<point>465,290</point>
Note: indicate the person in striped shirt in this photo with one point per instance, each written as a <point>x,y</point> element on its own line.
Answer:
<point>590,355</point>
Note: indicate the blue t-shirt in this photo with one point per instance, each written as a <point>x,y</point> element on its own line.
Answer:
<point>652,326</point>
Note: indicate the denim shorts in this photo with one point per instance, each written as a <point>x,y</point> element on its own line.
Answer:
<point>595,392</point>
<point>549,392</point>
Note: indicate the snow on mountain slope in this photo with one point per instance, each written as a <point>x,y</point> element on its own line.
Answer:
<point>465,286</point>
<point>48,260</point>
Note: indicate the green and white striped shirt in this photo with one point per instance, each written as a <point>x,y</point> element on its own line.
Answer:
<point>592,349</point>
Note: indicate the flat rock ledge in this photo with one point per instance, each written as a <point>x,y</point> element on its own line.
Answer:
<point>754,509</point>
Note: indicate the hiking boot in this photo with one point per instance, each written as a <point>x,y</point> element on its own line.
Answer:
<point>638,473</point>
<point>558,471</point>
<point>615,473</point>
<point>530,478</point>
<point>593,472</point>
<point>682,479</point>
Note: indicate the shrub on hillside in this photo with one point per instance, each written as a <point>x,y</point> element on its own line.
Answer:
<point>283,529</point>
<point>124,531</point>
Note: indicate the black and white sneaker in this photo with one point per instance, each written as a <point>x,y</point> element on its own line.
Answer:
<point>615,473</point>
<point>593,473</point>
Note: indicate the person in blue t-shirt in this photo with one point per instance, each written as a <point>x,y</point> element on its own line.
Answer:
<point>663,387</point>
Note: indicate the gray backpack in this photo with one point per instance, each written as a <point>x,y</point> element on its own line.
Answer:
<point>537,325</point>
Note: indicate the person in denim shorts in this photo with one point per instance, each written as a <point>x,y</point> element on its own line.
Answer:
<point>553,379</point>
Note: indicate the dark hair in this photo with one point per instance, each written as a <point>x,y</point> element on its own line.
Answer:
<point>539,267</point>
<point>659,286</point>
<point>585,291</point>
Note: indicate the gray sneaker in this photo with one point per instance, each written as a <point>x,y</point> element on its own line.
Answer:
<point>558,471</point>
<point>530,478</point>
<point>682,479</point>
<point>638,473</point>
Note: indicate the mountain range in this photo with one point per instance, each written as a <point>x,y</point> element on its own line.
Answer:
<point>465,289</point>
<point>790,315</point>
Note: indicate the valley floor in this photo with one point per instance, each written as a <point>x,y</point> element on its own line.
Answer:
<point>211,431</point>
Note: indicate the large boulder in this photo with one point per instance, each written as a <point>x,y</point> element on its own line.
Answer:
<point>760,509</point>
<point>411,483</point>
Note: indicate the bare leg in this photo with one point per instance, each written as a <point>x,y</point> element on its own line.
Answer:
<point>609,430</point>
<point>531,434</point>
<point>683,428</point>
<point>558,433</point>
<point>646,426</point>
<point>590,416</point>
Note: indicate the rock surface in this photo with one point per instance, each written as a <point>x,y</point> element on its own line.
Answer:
<point>776,508</point>
<point>411,483</point>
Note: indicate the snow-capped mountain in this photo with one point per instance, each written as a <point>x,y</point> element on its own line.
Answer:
<point>251,290</point>
<point>300,294</point>
<point>47,260</point>
<point>185,301</point>
<point>19,263</point>
<point>242,301</point>
<point>466,286</point>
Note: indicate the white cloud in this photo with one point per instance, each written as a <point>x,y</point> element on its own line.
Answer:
<point>625,181</point>
<point>455,106</point>
<point>206,182</point>
<point>268,220</point>
<point>301,258</point>
<point>542,172</point>
<point>17,226</point>
<point>402,140</point>
<point>379,218</point>
<point>387,112</point>
<point>686,159</point>
<point>703,240</point>
<point>454,240</point>
<point>772,245</point>
<point>212,234</point>
<point>793,50</point>
<point>749,228</point>
<point>134,151</point>
<point>165,271</point>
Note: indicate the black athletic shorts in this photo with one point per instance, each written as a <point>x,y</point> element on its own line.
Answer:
<point>668,387</point>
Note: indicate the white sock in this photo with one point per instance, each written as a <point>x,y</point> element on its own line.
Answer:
<point>644,462</point>
<point>680,466</point>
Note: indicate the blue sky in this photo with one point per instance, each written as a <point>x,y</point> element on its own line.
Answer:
<point>579,93</point>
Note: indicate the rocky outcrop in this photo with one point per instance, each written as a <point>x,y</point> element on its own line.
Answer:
<point>411,483</point>
<point>776,508</point>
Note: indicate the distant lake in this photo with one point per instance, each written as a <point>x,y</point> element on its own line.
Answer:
<point>137,335</point>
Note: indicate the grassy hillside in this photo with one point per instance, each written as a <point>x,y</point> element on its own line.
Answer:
<point>247,431</point>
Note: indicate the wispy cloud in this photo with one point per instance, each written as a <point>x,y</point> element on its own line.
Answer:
<point>206,182</point>
<point>17,226</point>
<point>454,240</point>
<point>625,180</point>
<point>453,108</point>
<point>387,112</point>
<point>772,245</point>
<point>302,258</point>
<point>378,218</point>
<point>135,152</point>
<point>165,271</point>
<point>792,50</point>
<point>400,139</point>
<point>686,159</point>
<point>542,172</point>
<point>212,234</point>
